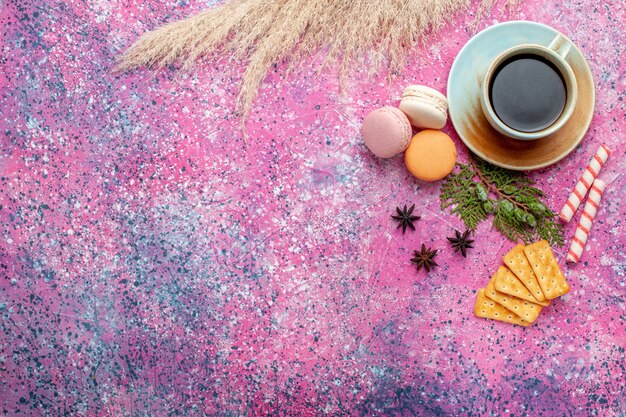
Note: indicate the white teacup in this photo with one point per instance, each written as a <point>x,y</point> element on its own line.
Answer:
<point>555,56</point>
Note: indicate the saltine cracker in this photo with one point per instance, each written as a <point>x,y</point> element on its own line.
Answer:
<point>516,261</point>
<point>508,283</point>
<point>489,309</point>
<point>547,270</point>
<point>523,308</point>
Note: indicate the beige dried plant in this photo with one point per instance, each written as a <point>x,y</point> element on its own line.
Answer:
<point>266,32</point>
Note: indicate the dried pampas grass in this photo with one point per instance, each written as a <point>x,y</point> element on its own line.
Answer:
<point>266,32</point>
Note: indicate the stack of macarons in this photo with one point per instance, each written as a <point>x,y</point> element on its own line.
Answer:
<point>430,155</point>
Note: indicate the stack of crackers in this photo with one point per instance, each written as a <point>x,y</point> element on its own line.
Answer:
<point>518,291</point>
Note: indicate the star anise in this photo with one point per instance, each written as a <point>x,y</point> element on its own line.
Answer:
<point>405,218</point>
<point>461,242</point>
<point>425,257</point>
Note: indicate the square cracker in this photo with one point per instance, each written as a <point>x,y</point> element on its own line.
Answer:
<point>545,267</point>
<point>516,261</point>
<point>508,283</point>
<point>524,309</point>
<point>489,309</point>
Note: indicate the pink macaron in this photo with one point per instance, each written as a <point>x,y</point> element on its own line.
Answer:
<point>386,131</point>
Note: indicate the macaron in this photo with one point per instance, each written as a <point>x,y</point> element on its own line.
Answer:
<point>426,108</point>
<point>431,155</point>
<point>386,131</point>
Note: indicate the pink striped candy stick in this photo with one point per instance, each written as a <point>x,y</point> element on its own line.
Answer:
<point>584,183</point>
<point>586,219</point>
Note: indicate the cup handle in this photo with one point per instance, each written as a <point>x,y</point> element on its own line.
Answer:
<point>560,45</point>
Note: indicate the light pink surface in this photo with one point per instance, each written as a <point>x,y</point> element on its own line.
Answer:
<point>152,263</point>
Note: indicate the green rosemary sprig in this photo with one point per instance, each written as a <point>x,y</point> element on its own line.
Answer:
<point>479,189</point>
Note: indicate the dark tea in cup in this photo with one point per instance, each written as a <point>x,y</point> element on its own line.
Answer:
<point>527,93</point>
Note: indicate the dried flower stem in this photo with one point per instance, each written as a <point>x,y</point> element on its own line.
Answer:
<point>263,33</point>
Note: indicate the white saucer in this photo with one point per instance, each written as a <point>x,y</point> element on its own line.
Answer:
<point>464,81</point>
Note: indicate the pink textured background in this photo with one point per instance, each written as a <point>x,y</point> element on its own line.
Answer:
<point>153,264</point>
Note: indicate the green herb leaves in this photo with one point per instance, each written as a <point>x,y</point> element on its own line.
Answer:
<point>479,190</point>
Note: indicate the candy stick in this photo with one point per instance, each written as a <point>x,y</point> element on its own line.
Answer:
<point>586,219</point>
<point>584,183</point>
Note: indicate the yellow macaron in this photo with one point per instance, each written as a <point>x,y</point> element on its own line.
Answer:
<point>431,155</point>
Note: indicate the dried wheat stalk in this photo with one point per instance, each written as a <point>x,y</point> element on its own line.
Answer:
<point>265,32</point>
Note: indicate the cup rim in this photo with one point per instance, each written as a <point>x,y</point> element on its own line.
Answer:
<point>568,109</point>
